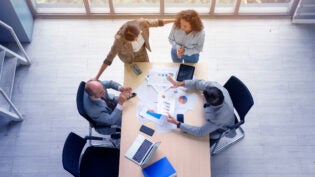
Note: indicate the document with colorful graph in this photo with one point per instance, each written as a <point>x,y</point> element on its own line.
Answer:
<point>166,102</point>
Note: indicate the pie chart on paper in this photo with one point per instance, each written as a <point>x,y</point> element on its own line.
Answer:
<point>182,99</point>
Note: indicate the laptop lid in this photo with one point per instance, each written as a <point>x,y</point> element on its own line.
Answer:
<point>150,153</point>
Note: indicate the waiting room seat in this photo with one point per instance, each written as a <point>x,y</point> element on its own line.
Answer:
<point>243,101</point>
<point>104,129</point>
<point>95,161</point>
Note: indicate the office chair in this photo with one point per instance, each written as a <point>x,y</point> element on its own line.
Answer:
<point>104,129</point>
<point>242,101</point>
<point>71,153</point>
<point>95,161</point>
<point>100,162</point>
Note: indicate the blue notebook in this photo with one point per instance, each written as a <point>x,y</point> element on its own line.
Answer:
<point>160,168</point>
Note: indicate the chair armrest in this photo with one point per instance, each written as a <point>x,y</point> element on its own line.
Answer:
<point>107,130</point>
<point>115,135</point>
<point>237,125</point>
<point>94,138</point>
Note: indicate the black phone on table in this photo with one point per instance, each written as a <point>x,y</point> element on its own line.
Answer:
<point>146,130</point>
<point>136,69</point>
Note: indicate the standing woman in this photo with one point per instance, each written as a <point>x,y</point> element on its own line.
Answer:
<point>131,42</point>
<point>186,37</point>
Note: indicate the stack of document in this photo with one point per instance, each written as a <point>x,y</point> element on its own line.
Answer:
<point>157,118</point>
<point>157,95</point>
<point>166,102</point>
<point>157,77</point>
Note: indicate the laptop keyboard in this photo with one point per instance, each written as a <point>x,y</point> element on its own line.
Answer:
<point>142,151</point>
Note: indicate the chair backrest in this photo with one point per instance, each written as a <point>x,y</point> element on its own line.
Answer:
<point>100,162</point>
<point>71,153</point>
<point>241,97</point>
<point>80,107</point>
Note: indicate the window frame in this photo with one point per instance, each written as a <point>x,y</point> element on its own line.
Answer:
<point>161,14</point>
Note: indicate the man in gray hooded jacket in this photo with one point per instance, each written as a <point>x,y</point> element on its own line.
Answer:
<point>219,110</point>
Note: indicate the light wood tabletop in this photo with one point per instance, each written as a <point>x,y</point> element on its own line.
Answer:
<point>189,155</point>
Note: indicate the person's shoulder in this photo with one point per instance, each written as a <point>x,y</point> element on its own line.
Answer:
<point>143,22</point>
<point>118,36</point>
<point>199,33</point>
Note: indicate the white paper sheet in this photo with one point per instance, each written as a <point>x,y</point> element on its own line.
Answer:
<point>157,75</point>
<point>155,94</point>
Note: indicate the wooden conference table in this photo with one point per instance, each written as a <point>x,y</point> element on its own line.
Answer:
<point>189,155</point>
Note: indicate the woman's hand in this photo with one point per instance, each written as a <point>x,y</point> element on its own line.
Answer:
<point>180,51</point>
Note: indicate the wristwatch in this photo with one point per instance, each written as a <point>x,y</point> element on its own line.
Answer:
<point>178,125</point>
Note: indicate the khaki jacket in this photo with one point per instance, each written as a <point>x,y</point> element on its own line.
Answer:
<point>123,48</point>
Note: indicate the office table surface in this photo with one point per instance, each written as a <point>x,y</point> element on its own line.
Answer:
<point>189,155</point>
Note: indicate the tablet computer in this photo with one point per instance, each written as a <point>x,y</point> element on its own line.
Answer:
<point>185,72</point>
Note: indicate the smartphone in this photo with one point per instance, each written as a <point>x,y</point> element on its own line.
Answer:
<point>136,69</point>
<point>180,118</point>
<point>146,130</point>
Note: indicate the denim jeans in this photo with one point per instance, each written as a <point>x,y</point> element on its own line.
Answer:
<point>185,58</point>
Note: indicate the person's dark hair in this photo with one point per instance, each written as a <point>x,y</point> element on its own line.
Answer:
<point>213,96</point>
<point>131,31</point>
<point>192,17</point>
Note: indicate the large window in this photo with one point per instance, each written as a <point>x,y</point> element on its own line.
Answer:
<point>225,6</point>
<point>173,6</point>
<point>59,6</point>
<point>264,6</point>
<point>99,6</point>
<point>162,7</point>
<point>137,6</point>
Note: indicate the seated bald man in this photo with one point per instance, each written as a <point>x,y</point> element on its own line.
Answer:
<point>102,107</point>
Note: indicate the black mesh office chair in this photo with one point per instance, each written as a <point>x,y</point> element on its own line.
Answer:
<point>104,129</point>
<point>95,161</point>
<point>242,100</point>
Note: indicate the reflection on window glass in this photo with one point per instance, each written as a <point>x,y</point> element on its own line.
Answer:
<point>99,6</point>
<point>136,6</point>
<point>174,6</point>
<point>60,6</point>
<point>265,6</point>
<point>171,6</point>
<point>264,1</point>
<point>225,6</point>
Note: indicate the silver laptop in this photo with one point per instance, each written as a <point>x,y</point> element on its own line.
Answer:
<point>141,150</point>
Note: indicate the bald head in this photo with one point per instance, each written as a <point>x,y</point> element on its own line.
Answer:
<point>94,89</point>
